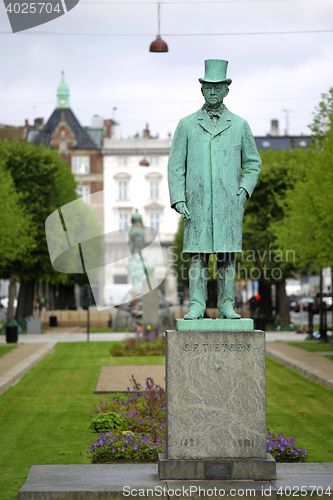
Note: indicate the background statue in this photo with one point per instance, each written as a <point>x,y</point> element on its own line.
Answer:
<point>137,235</point>
<point>213,168</point>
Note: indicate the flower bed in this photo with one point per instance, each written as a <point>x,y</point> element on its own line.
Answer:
<point>139,347</point>
<point>144,411</point>
<point>132,428</point>
<point>284,450</point>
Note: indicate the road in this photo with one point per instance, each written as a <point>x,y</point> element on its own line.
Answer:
<point>296,318</point>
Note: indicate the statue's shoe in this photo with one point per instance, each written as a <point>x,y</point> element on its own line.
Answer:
<point>229,313</point>
<point>193,314</point>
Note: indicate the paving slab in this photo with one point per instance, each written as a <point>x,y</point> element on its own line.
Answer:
<point>309,364</point>
<point>120,481</point>
<point>118,378</point>
<point>16,363</point>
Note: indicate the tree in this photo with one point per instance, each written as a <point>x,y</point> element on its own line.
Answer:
<point>308,220</point>
<point>323,119</point>
<point>263,258</point>
<point>16,236</point>
<point>44,183</point>
<point>307,226</point>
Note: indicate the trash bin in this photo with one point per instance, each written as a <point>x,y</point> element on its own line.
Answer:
<point>53,321</point>
<point>33,324</point>
<point>11,334</point>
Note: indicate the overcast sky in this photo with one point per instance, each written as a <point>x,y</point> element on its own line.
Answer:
<point>270,72</point>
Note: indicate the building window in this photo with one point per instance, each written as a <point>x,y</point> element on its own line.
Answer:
<point>81,164</point>
<point>153,160</point>
<point>84,193</point>
<point>120,253</point>
<point>155,221</point>
<point>122,190</point>
<point>123,222</point>
<point>123,161</point>
<point>154,190</point>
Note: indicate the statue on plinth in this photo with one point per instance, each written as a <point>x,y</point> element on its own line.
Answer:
<point>213,168</point>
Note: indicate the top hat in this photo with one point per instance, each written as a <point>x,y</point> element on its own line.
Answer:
<point>215,72</point>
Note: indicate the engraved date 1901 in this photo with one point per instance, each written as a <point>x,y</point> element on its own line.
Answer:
<point>189,442</point>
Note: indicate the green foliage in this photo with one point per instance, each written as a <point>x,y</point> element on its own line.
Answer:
<point>307,226</point>
<point>261,250</point>
<point>138,347</point>
<point>284,450</point>
<point>44,183</point>
<point>145,413</point>
<point>17,228</point>
<point>107,421</point>
<point>323,119</point>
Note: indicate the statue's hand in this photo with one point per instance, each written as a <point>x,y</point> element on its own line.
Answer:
<point>182,209</point>
<point>242,196</point>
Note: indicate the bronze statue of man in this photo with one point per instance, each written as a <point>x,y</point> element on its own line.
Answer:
<point>213,168</point>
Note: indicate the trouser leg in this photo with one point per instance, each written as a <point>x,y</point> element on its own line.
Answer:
<point>225,285</point>
<point>198,274</point>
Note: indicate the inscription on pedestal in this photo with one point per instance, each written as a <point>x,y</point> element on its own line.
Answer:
<point>215,387</point>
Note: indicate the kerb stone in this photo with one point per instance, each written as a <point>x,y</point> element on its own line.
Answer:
<point>216,401</point>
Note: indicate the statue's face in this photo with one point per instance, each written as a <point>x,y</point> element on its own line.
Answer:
<point>214,93</point>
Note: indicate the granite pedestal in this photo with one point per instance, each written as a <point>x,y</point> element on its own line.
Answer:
<point>216,404</point>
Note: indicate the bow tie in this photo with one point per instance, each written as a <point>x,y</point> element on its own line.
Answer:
<point>214,112</point>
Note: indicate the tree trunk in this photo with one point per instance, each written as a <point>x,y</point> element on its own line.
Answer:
<point>321,305</point>
<point>11,297</point>
<point>266,299</point>
<point>65,299</point>
<point>25,299</point>
<point>283,310</point>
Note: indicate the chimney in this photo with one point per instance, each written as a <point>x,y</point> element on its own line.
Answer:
<point>107,128</point>
<point>146,132</point>
<point>26,123</point>
<point>39,122</point>
<point>274,132</point>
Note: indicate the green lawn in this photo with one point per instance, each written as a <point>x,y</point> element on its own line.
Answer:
<point>6,348</point>
<point>312,346</point>
<point>302,408</point>
<point>44,419</point>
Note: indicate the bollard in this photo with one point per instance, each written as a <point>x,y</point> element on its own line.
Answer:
<point>310,320</point>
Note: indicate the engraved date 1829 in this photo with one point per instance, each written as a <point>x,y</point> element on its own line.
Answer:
<point>189,442</point>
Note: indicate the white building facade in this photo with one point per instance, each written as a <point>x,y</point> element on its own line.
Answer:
<point>135,178</point>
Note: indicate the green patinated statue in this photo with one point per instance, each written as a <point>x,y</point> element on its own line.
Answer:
<point>213,168</point>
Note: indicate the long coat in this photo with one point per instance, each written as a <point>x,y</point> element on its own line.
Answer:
<point>207,165</point>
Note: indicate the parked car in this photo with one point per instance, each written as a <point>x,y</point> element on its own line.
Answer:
<point>4,302</point>
<point>327,298</point>
<point>292,299</point>
<point>305,303</point>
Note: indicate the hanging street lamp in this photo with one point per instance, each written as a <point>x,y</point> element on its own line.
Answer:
<point>158,45</point>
